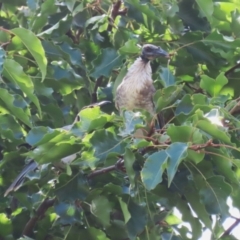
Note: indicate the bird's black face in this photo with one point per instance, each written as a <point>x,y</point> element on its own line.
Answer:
<point>151,52</point>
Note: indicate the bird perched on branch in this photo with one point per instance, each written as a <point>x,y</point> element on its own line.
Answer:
<point>136,90</point>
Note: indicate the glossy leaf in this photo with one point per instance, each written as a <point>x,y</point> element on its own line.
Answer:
<point>153,169</point>
<point>34,46</point>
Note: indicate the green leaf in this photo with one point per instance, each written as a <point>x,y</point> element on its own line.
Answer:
<point>137,221</point>
<point>34,46</point>
<point>91,119</point>
<point>104,143</point>
<point>129,159</point>
<point>176,152</point>
<point>70,4</point>
<point>70,188</point>
<point>153,169</point>
<point>166,96</point>
<point>2,57</point>
<point>213,87</point>
<point>5,225</point>
<point>198,207</point>
<point>106,62</point>
<point>144,8</point>
<point>101,208</point>
<point>214,193</point>
<point>131,120</point>
<point>130,47</point>
<point>167,77</point>
<point>235,22</point>
<point>13,104</point>
<point>206,8</point>
<point>67,212</point>
<point>125,211</point>
<point>14,72</point>
<point>214,131</point>
<point>185,134</point>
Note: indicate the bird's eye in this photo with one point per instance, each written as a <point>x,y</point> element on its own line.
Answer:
<point>148,48</point>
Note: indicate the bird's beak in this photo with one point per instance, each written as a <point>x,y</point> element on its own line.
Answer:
<point>161,53</point>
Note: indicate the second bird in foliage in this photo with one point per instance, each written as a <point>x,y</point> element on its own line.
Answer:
<point>136,90</point>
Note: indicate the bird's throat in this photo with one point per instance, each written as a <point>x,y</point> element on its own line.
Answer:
<point>146,60</point>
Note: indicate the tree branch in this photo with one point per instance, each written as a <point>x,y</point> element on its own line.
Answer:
<point>229,230</point>
<point>232,69</point>
<point>116,12</point>
<point>97,84</point>
<point>47,203</point>
<point>118,166</point>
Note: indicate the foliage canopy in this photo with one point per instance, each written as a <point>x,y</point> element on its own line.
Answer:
<point>60,59</point>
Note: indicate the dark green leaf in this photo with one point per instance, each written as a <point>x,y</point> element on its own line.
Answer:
<point>101,208</point>
<point>106,62</point>
<point>14,105</point>
<point>153,169</point>
<point>14,72</point>
<point>176,152</point>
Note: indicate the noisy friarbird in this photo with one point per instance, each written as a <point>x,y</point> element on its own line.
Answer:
<point>136,90</point>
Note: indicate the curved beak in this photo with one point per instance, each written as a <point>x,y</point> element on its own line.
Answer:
<point>161,53</point>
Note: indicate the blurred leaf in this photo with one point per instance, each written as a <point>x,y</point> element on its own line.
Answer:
<point>167,77</point>
<point>129,159</point>
<point>101,208</point>
<point>5,225</point>
<point>105,63</point>
<point>213,131</point>
<point>105,142</point>
<point>70,188</point>
<point>14,72</point>
<point>2,57</point>
<point>206,8</point>
<point>34,46</point>
<point>176,153</point>
<point>166,96</point>
<point>131,121</point>
<point>125,211</point>
<point>185,134</point>
<point>153,169</point>
<point>213,87</point>
<point>68,213</point>
<point>14,105</point>
<point>129,47</point>
<point>137,221</point>
<point>214,192</point>
<point>235,22</point>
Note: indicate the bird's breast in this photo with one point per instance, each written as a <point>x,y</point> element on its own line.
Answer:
<point>132,94</point>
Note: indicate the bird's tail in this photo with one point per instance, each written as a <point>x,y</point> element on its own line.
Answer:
<point>17,183</point>
<point>160,120</point>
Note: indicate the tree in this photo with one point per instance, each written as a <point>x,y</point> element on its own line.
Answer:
<point>59,60</point>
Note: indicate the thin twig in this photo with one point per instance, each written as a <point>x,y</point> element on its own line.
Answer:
<point>118,166</point>
<point>232,69</point>
<point>116,12</point>
<point>97,85</point>
<point>229,230</point>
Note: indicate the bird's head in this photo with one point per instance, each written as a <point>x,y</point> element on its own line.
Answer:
<point>150,52</point>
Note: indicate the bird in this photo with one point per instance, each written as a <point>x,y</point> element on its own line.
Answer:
<point>136,89</point>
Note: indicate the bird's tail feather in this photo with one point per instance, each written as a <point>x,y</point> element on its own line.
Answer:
<point>160,120</point>
<point>17,183</point>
